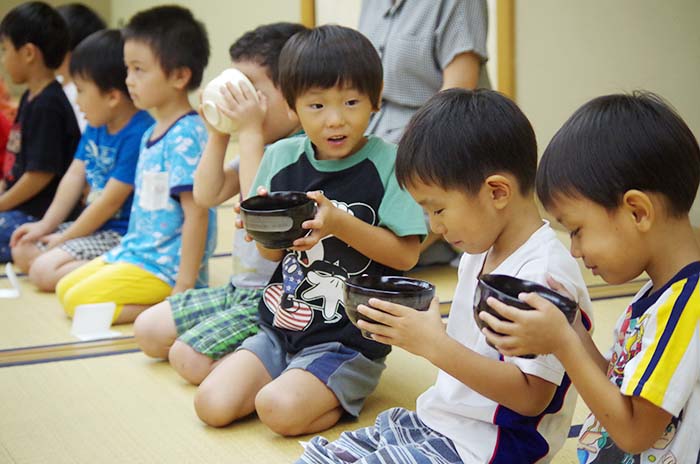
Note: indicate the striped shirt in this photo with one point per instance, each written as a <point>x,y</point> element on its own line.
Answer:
<point>656,356</point>
<point>416,40</point>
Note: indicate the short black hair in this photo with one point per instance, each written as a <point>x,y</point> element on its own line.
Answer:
<point>460,137</point>
<point>620,142</point>
<point>327,56</point>
<point>100,59</point>
<point>81,22</point>
<point>263,45</point>
<point>39,24</point>
<point>175,37</point>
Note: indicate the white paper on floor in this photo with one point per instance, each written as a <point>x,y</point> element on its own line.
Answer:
<point>12,278</point>
<point>93,321</point>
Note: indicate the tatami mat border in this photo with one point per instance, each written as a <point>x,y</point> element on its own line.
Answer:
<point>67,358</point>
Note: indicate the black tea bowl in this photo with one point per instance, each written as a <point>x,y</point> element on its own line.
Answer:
<point>506,289</point>
<point>405,291</point>
<point>274,220</point>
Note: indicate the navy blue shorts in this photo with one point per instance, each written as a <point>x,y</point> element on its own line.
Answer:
<point>347,373</point>
<point>9,222</point>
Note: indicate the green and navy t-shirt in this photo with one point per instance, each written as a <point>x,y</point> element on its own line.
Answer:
<point>304,300</point>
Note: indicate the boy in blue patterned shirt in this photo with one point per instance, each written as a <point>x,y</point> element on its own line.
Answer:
<point>170,238</point>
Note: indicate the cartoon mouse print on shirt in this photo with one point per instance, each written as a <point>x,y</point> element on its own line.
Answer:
<point>312,281</point>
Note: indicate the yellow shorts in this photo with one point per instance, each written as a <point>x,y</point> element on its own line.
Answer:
<point>100,282</point>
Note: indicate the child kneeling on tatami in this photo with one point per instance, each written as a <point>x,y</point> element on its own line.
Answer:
<point>170,238</point>
<point>469,158</point>
<point>196,328</point>
<point>309,365</point>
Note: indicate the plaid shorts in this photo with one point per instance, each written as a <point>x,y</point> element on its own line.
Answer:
<point>397,436</point>
<point>88,247</point>
<point>215,321</point>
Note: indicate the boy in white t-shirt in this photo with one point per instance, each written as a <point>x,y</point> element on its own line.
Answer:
<point>621,175</point>
<point>469,159</point>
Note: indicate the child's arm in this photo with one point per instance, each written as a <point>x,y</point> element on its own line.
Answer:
<point>194,238</point>
<point>633,422</point>
<point>98,212</point>
<point>67,196</point>
<point>377,243</point>
<point>27,187</point>
<point>216,183</point>
<point>213,182</point>
<point>423,333</point>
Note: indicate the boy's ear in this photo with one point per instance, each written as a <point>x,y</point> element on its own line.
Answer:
<point>291,114</point>
<point>114,96</point>
<point>29,52</point>
<point>379,100</point>
<point>640,208</point>
<point>500,190</point>
<point>180,77</point>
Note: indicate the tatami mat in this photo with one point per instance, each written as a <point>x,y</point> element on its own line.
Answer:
<point>131,409</point>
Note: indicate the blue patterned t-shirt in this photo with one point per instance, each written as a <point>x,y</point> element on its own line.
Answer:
<point>113,156</point>
<point>165,169</point>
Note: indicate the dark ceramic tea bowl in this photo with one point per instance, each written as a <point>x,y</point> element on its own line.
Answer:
<point>506,290</point>
<point>404,291</point>
<point>274,220</point>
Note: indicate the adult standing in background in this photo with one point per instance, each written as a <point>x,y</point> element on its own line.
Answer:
<point>425,46</point>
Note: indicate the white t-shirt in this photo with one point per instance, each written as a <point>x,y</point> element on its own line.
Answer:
<point>481,429</point>
<point>71,92</point>
<point>250,269</point>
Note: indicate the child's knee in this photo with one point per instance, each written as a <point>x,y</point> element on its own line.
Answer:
<point>190,364</point>
<point>281,412</point>
<point>153,332</point>
<point>214,407</point>
<point>43,276</point>
<point>21,256</point>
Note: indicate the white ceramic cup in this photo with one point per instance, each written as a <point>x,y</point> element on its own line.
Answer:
<point>211,96</point>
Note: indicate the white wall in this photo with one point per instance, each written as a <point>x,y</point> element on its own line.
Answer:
<point>101,7</point>
<point>225,20</point>
<point>568,52</point>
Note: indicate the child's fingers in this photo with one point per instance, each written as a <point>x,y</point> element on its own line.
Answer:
<point>226,112</point>
<point>389,307</point>
<point>505,345</point>
<point>496,324</point>
<point>534,300</point>
<point>262,191</point>
<point>307,242</point>
<point>236,92</point>
<point>376,329</point>
<point>228,96</point>
<point>503,309</point>
<point>558,287</point>
<point>314,224</point>
<point>245,92</point>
